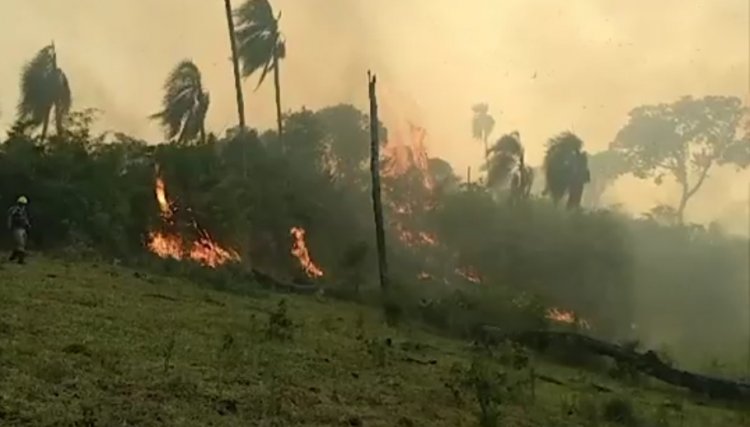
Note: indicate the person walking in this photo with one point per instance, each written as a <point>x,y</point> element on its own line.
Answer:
<point>19,226</point>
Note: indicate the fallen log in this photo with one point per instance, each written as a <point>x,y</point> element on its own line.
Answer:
<point>648,362</point>
<point>267,280</point>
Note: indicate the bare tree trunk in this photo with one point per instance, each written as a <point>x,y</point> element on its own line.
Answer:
<point>688,193</point>
<point>486,154</point>
<point>59,120</point>
<point>235,66</point>
<point>237,80</point>
<point>277,86</point>
<point>575,194</point>
<point>375,172</point>
<point>203,133</point>
<point>683,204</point>
<point>45,125</point>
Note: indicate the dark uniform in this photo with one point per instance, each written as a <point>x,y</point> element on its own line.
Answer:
<point>19,225</point>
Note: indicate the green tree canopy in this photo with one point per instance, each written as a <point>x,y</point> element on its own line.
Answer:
<point>684,139</point>
<point>566,168</point>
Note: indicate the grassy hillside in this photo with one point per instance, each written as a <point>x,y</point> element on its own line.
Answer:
<point>96,345</point>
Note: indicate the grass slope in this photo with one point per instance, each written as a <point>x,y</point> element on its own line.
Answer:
<point>88,345</point>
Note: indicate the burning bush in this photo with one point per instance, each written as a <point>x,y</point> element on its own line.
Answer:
<point>170,244</point>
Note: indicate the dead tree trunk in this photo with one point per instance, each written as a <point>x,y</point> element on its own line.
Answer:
<point>277,92</point>
<point>237,81</point>
<point>648,363</point>
<point>235,66</point>
<point>377,204</point>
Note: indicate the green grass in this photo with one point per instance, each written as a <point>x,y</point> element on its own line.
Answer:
<point>97,345</point>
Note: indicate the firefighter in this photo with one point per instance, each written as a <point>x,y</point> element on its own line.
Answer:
<point>19,225</point>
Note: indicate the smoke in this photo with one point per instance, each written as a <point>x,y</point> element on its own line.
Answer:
<point>542,66</point>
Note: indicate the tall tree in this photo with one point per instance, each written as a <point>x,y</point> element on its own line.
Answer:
<point>507,166</point>
<point>684,139</point>
<point>261,46</point>
<point>482,125</point>
<point>184,105</point>
<point>44,87</point>
<point>235,66</point>
<point>566,169</point>
<point>377,202</point>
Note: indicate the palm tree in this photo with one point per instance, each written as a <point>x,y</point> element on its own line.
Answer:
<point>44,87</point>
<point>235,66</point>
<point>507,164</point>
<point>185,104</point>
<point>566,169</point>
<point>481,126</point>
<point>260,45</point>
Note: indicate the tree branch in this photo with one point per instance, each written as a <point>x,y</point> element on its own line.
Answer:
<point>701,178</point>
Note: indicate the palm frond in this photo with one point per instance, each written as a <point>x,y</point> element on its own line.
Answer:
<point>63,99</point>
<point>38,87</point>
<point>506,156</point>
<point>184,104</point>
<point>561,163</point>
<point>482,123</point>
<point>195,119</point>
<point>258,38</point>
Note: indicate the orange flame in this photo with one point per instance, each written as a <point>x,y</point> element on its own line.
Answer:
<point>299,250</point>
<point>567,317</point>
<point>470,274</point>
<point>402,156</point>
<point>165,246</point>
<point>161,197</point>
<point>204,250</point>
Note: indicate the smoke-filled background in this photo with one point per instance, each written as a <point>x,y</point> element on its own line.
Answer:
<point>542,66</point>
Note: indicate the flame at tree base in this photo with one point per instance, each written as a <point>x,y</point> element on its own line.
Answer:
<point>299,250</point>
<point>204,250</point>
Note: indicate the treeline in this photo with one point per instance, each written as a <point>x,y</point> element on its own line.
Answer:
<point>492,250</point>
<point>461,254</point>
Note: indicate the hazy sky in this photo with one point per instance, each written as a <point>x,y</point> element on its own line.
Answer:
<point>593,60</point>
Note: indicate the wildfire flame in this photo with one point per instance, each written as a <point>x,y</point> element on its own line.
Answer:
<point>161,197</point>
<point>402,156</point>
<point>204,250</point>
<point>567,317</point>
<point>470,274</point>
<point>299,250</point>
